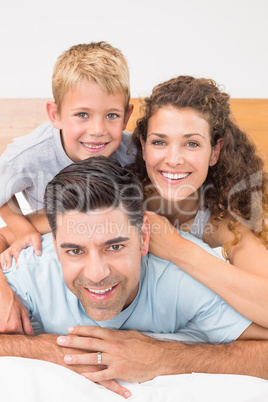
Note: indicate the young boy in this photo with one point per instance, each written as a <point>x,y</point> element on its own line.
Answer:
<point>91,109</point>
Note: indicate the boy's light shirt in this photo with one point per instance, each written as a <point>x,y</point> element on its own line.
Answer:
<point>168,300</point>
<point>31,161</point>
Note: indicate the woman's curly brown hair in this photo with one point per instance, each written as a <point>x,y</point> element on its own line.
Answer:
<point>238,183</point>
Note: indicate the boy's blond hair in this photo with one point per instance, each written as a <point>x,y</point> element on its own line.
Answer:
<point>97,62</point>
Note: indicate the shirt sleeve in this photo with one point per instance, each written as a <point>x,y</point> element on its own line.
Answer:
<point>15,279</point>
<point>208,314</point>
<point>14,177</point>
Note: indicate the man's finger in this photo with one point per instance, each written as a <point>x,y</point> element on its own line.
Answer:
<point>115,387</point>
<point>26,323</point>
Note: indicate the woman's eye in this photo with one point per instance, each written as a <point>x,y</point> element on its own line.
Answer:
<point>115,247</point>
<point>111,115</point>
<point>158,142</point>
<point>75,251</point>
<point>83,115</point>
<point>192,144</point>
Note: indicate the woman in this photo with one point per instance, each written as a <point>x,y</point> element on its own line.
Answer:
<point>202,175</point>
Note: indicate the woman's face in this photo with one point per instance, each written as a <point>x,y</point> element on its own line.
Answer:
<point>178,152</point>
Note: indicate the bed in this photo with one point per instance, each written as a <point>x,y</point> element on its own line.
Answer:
<point>30,380</point>
<point>40,381</point>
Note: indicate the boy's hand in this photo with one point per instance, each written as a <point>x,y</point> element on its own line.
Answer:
<point>14,317</point>
<point>31,239</point>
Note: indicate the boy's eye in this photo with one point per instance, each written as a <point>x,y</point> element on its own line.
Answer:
<point>75,251</point>
<point>83,115</point>
<point>115,247</point>
<point>111,115</point>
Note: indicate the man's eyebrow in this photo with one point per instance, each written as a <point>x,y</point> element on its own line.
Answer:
<point>116,240</point>
<point>70,245</point>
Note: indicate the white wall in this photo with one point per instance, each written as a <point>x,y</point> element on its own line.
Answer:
<point>222,39</point>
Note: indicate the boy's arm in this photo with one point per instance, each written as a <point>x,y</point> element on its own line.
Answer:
<point>13,315</point>
<point>10,246</point>
<point>19,225</point>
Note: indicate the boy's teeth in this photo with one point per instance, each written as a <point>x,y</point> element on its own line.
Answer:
<point>100,292</point>
<point>94,146</point>
<point>175,176</point>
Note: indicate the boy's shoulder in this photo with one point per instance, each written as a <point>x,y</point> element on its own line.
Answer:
<point>41,134</point>
<point>126,151</point>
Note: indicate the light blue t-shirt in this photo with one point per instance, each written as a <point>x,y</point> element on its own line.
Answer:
<point>168,300</point>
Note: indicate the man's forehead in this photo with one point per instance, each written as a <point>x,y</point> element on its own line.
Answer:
<point>104,223</point>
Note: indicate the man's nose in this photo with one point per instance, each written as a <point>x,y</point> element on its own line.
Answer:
<point>96,268</point>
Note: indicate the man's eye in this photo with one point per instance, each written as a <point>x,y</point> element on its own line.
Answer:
<point>75,251</point>
<point>115,247</point>
<point>112,115</point>
<point>83,115</point>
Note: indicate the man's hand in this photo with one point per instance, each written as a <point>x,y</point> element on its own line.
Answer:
<point>31,239</point>
<point>128,355</point>
<point>14,317</point>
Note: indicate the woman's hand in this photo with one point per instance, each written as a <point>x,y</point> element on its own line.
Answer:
<point>31,239</point>
<point>164,237</point>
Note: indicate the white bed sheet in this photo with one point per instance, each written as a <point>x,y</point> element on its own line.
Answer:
<point>29,380</point>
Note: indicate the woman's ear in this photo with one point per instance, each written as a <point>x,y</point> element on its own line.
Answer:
<point>216,152</point>
<point>53,115</point>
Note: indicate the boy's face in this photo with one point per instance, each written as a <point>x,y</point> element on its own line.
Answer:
<point>91,121</point>
<point>100,254</point>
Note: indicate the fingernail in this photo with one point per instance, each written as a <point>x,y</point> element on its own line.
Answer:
<point>127,394</point>
<point>68,359</point>
<point>71,329</point>
<point>38,253</point>
<point>61,339</point>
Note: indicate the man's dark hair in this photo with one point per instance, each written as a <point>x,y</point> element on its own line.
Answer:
<point>93,183</point>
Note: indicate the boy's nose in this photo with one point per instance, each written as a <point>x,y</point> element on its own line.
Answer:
<point>96,127</point>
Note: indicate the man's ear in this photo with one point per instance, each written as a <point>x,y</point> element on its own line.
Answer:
<point>145,236</point>
<point>127,115</point>
<point>55,246</point>
<point>216,152</point>
<point>53,115</point>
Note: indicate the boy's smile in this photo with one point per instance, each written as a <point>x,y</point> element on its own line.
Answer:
<point>91,121</point>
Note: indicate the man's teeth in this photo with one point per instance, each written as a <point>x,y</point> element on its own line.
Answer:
<point>175,176</point>
<point>93,146</point>
<point>100,292</point>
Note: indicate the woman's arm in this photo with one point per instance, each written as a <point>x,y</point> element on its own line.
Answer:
<point>244,286</point>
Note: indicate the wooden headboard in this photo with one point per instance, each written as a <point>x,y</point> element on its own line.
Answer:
<point>20,116</point>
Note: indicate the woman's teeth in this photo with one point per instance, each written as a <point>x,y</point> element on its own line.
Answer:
<point>175,176</point>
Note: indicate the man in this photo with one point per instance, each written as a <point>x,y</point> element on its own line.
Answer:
<point>105,282</point>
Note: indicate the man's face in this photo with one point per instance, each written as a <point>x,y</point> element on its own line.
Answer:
<point>100,254</point>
